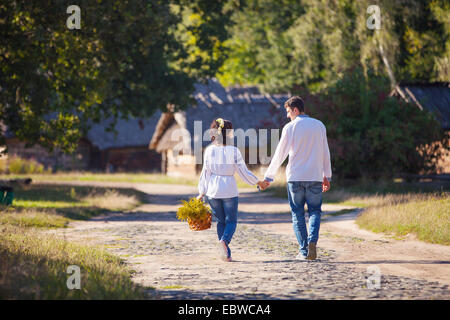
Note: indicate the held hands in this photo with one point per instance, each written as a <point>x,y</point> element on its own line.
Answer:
<point>263,185</point>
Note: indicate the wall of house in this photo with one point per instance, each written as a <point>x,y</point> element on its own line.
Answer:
<point>133,159</point>
<point>185,165</point>
<point>88,157</point>
<point>181,165</point>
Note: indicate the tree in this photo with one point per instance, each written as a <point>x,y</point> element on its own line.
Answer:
<point>310,43</point>
<point>259,51</point>
<point>441,12</point>
<point>372,135</point>
<point>128,59</point>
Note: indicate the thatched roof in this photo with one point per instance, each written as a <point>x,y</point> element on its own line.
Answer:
<point>433,97</point>
<point>245,107</point>
<point>134,132</point>
<point>166,140</point>
<point>164,122</point>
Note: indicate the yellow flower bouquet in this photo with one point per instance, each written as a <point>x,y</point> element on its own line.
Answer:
<point>197,214</point>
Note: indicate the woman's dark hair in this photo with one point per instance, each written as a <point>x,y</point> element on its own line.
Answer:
<point>220,134</point>
<point>295,102</point>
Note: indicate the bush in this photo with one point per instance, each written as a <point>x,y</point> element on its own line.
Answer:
<point>372,135</point>
<point>22,166</point>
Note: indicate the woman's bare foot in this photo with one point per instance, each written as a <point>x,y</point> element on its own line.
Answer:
<point>225,252</point>
<point>223,248</point>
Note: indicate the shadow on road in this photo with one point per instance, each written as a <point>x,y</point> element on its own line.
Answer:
<point>201,295</point>
<point>393,262</point>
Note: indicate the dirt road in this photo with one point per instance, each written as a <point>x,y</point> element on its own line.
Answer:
<point>184,264</point>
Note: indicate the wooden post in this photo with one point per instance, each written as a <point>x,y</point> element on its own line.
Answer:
<point>164,162</point>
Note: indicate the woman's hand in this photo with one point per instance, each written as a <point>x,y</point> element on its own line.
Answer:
<point>200,196</point>
<point>263,184</point>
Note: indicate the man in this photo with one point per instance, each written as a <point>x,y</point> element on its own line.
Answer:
<point>308,172</point>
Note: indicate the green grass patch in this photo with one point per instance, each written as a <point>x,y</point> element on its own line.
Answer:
<point>34,266</point>
<point>172,287</point>
<point>34,219</point>
<point>50,206</point>
<point>396,208</point>
<point>107,177</point>
<point>115,177</point>
<point>364,194</point>
<point>428,219</point>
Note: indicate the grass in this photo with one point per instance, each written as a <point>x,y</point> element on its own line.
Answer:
<point>361,194</point>
<point>173,287</point>
<point>48,206</point>
<point>106,177</point>
<point>33,265</point>
<point>116,177</point>
<point>398,208</point>
<point>428,218</point>
<point>364,194</point>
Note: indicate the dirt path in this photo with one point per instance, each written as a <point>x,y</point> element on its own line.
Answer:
<point>183,264</point>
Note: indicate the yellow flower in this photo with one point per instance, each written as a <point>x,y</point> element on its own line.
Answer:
<point>194,209</point>
<point>221,124</point>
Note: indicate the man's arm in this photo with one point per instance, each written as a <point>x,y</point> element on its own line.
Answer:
<point>279,156</point>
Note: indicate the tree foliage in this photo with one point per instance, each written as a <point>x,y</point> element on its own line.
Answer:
<point>130,58</point>
<point>310,43</point>
<point>371,134</point>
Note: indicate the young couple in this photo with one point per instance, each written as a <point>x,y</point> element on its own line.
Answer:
<point>308,174</point>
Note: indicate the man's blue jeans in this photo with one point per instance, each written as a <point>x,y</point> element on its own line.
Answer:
<point>299,193</point>
<point>225,210</point>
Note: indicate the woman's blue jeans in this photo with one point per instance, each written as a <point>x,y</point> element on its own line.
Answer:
<point>299,193</point>
<point>225,210</point>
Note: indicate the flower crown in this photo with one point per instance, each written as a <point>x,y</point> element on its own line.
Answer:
<point>221,124</point>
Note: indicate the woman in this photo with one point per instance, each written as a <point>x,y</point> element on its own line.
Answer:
<point>217,182</point>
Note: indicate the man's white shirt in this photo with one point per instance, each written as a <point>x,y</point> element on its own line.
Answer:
<point>304,139</point>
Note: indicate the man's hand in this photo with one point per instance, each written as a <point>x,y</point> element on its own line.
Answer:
<point>263,184</point>
<point>325,185</point>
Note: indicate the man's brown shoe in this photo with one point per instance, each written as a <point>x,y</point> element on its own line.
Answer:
<point>312,254</point>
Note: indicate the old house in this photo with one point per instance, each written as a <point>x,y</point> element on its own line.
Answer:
<point>180,136</point>
<point>434,98</point>
<point>100,150</point>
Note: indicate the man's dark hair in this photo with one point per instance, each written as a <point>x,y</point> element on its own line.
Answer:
<point>295,102</point>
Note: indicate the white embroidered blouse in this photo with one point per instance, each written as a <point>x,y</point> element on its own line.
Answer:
<point>220,163</point>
